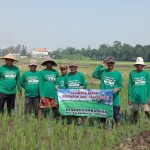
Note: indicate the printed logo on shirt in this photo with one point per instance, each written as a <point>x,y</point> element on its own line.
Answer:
<point>61,83</point>
<point>51,77</point>
<point>74,83</point>
<point>140,81</point>
<point>10,74</point>
<point>33,80</point>
<point>109,81</point>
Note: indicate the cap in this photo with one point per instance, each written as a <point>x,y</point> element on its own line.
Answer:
<point>110,59</point>
<point>63,66</point>
<point>33,62</point>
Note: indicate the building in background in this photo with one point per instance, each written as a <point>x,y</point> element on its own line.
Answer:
<point>39,53</point>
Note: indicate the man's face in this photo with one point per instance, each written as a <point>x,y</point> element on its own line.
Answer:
<point>110,65</point>
<point>139,67</point>
<point>73,69</point>
<point>64,71</point>
<point>49,64</point>
<point>9,62</point>
<point>32,67</point>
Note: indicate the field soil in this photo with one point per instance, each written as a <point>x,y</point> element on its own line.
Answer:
<point>140,142</point>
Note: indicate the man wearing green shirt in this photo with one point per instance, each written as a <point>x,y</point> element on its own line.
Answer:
<point>30,82</point>
<point>74,80</point>
<point>60,79</point>
<point>110,79</point>
<point>139,89</point>
<point>60,82</point>
<point>47,85</point>
<point>9,79</point>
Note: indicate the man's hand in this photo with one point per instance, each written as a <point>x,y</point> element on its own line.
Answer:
<point>115,90</point>
<point>42,99</point>
<point>148,102</point>
<point>104,62</point>
<point>129,102</point>
<point>19,95</point>
<point>80,87</point>
<point>56,87</point>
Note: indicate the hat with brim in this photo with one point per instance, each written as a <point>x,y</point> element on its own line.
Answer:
<point>63,66</point>
<point>73,64</point>
<point>139,61</point>
<point>49,59</point>
<point>9,56</point>
<point>33,62</point>
<point>110,59</point>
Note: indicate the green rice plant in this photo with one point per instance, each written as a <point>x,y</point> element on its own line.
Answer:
<point>127,129</point>
<point>23,142</point>
<point>33,143</point>
<point>1,142</point>
<point>9,138</point>
<point>79,136</point>
<point>5,122</point>
<point>43,146</point>
<point>51,137</point>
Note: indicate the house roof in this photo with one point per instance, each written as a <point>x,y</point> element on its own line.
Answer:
<point>40,50</point>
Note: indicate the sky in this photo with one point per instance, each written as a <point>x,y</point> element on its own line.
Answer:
<point>56,24</point>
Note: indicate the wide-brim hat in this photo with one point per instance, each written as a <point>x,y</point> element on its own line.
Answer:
<point>9,56</point>
<point>139,61</point>
<point>73,64</point>
<point>47,60</point>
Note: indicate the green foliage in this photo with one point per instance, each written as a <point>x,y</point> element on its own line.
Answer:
<point>121,52</point>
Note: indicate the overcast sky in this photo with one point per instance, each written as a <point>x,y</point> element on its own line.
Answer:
<point>56,24</point>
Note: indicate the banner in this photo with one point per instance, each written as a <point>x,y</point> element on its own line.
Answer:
<point>85,102</point>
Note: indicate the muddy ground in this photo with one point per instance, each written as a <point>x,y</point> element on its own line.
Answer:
<point>140,142</point>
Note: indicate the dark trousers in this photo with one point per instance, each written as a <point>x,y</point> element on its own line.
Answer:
<point>32,103</point>
<point>116,116</point>
<point>9,99</point>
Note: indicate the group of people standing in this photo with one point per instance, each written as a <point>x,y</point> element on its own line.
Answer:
<point>138,87</point>
<point>40,87</point>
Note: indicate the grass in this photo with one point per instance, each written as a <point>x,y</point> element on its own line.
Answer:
<point>23,133</point>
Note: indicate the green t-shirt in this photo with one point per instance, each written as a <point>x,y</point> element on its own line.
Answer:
<point>48,82</point>
<point>138,87</point>
<point>9,78</point>
<point>109,80</point>
<point>60,84</point>
<point>30,82</point>
<point>60,81</point>
<point>75,81</point>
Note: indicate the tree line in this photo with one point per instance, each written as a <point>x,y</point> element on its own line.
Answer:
<point>120,51</point>
<point>124,52</point>
<point>22,50</point>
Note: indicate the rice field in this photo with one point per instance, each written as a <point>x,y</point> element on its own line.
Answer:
<point>21,133</point>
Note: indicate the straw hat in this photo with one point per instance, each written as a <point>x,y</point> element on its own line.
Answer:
<point>9,56</point>
<point>47,60</point>
<point>139,61</point>
<point>73,64</point>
